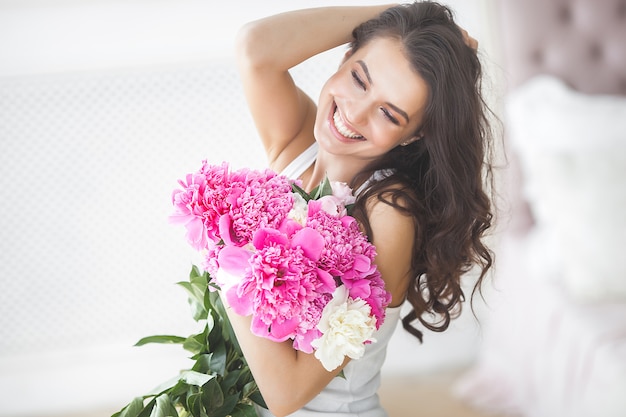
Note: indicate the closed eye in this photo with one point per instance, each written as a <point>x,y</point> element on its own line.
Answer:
<point>357,79</point>
<point>387,114</point>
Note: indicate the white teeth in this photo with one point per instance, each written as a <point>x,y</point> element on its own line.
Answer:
<point>341,128</point>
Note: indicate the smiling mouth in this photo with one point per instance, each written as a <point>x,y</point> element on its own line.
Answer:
<point>342,128</point>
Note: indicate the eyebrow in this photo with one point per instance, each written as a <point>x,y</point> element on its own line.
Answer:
<point>365,70</point>
<point>393,106</point>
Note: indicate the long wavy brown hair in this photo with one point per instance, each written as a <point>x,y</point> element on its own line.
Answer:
<point>444,179</point>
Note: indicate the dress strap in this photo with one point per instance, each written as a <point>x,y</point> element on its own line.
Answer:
<point>301,163</point>
<point>379,175</point>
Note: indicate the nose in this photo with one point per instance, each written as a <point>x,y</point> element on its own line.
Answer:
<point>355,111</point>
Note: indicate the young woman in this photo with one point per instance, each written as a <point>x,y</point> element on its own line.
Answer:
<point>403,122</point>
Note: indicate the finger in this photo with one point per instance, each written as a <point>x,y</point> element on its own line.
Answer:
<point>472,43</point>
<point>469,41</point>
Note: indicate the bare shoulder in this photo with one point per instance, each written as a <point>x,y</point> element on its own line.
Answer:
<point>393,234</point>
<point>390,206</point>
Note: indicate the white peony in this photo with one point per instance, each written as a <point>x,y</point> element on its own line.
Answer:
<point>343,192</point>
<point>299,210</point>
<point>346,326</point>
<point>333,205</point>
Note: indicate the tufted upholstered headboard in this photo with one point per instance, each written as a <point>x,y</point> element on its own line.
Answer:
<point>559,272</point>
<point>582,42</point>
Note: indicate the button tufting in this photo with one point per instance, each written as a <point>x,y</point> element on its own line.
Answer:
<point>579,40</point>
<point>595,52</point>
<point>537,56</point>
<point>565,14</point>
<point>621,10</point>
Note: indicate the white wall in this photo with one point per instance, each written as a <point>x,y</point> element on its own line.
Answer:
<point>103,106</point>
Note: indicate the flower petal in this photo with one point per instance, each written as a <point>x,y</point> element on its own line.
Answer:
<point>327,280</point>
<point>234,259</point>
<point>303,340</point>
<point>241,305</point>
<point>311,242</point>
<point>290,226</point>
<point>264,237</point>
<point>226,230</point>
<point>314,207</point>
<point>277,332</point>
<point>362,263</point>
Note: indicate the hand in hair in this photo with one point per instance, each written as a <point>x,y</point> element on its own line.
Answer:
<point>469,40</point>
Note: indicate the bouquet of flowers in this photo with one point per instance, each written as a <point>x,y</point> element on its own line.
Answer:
<point>297,262</point>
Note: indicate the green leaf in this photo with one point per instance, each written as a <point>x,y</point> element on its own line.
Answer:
<point>199,279</point>
<point>165,386</point>
<point>207,300</point>
<point>195,406</point>
<point>251,391</point>
<point>324,188</point>
<point>228,334</point>
<point>212,396</point>
<point>164,407</point>
<point>214,331</point>
<point>196,343</point>
<point>147,410</point>
<point>218,359</point>
<point>229,404</point>
<point>196,289</point>
<point>195,299</point>
<point>249,388</point>
<point>219,384</point>
<point>195,273</point>
<point>195,378</point>
<point>203,363</point>
<point>166,339</point>
<point>132,409</point>
<point>192,290</point>
<point>258,398</point>
<point>179,390</point>
<point>214,300</point>
<point>297,189</point>
<point>230,380</point>
<point>244,410</point>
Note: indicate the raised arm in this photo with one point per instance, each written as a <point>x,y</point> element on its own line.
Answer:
<point>267,49</point>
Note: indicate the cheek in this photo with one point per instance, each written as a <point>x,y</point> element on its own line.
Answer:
<point>383,137</point>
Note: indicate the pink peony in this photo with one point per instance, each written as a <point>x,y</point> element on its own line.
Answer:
<point>258,200</point>
<point>307,331</point>
<point>282,281</point>
<point>201,202</point>
<point>344,242</point>
<point>379,297</point>
<point>280,257</point>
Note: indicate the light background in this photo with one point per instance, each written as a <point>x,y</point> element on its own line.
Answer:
<point>103,106</point>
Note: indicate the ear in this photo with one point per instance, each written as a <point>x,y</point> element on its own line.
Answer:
<point>412,139</point>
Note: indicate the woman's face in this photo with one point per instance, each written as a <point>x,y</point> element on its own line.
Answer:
<point>373,103</point>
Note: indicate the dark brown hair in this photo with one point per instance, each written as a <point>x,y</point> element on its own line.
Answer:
<point>441,179</point>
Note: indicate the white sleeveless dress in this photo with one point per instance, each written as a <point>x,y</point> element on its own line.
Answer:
<point>356,394</point>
